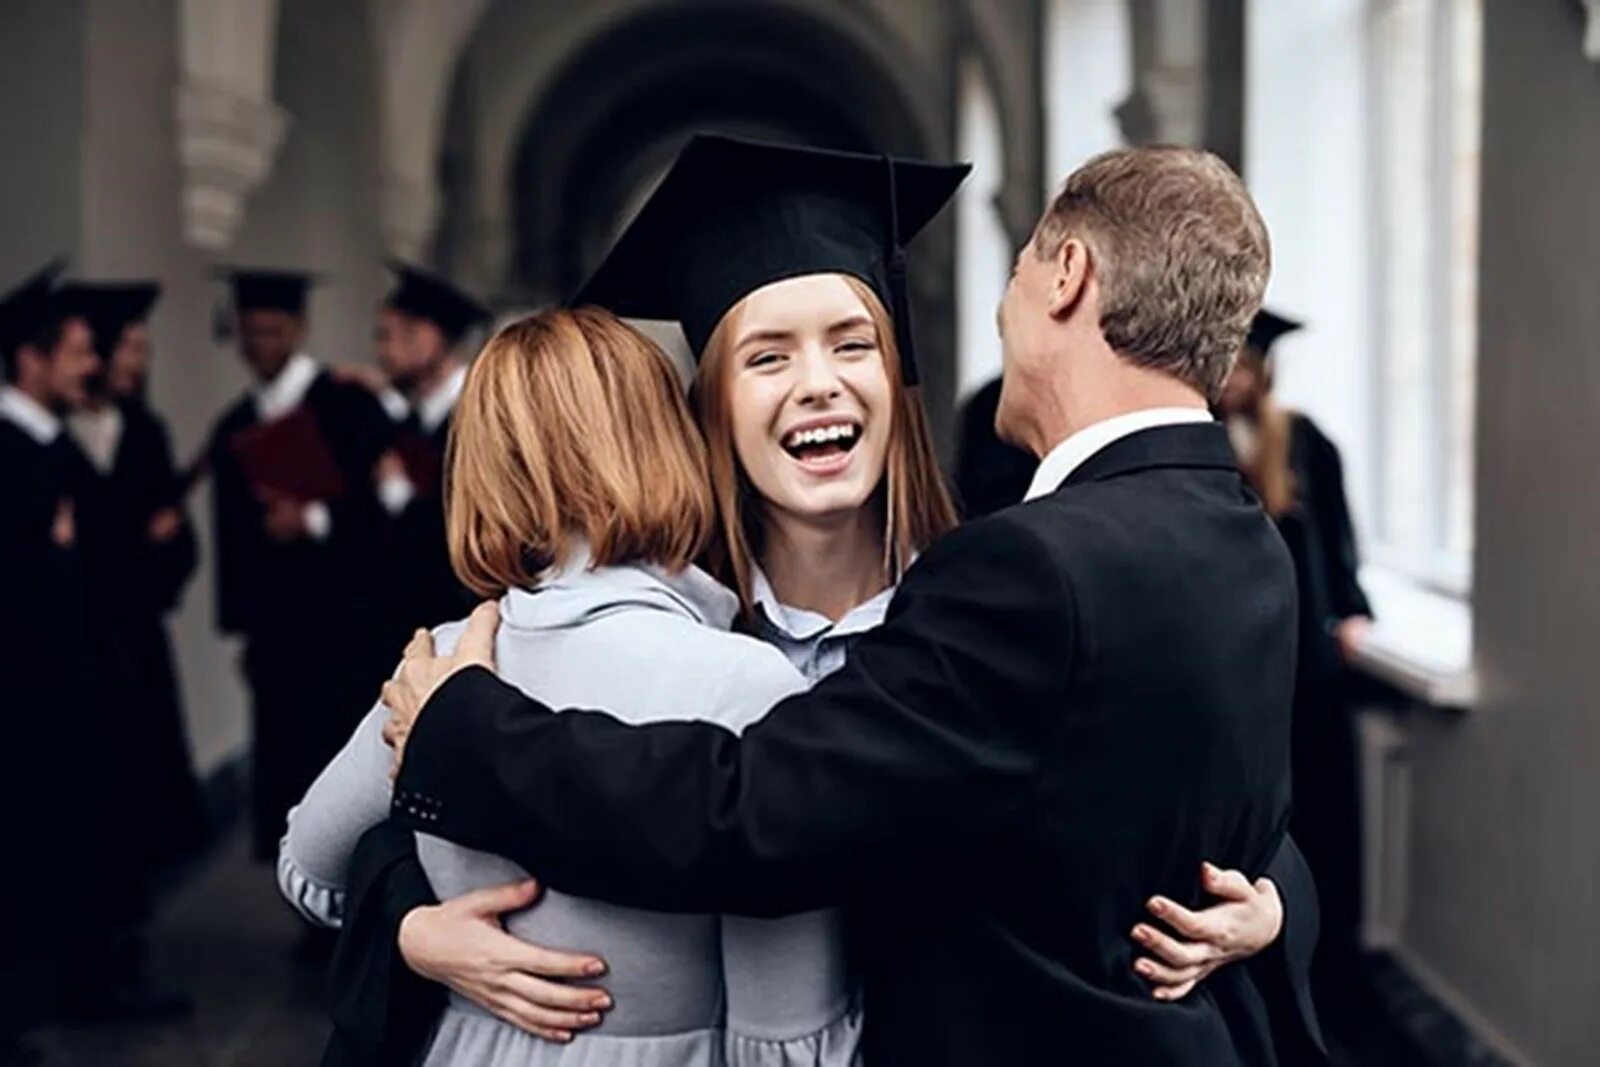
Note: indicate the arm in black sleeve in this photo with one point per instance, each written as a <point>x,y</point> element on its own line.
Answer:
<point>239,543</point>
<point>1337,532</point>
<point>382,1011</point>
<point>172,562</point>
<point>930,733</point>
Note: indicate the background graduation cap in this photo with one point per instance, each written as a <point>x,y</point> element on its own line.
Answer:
<point>111,307</point>
<point>254,288</point>
<point>31,305</point>
<point>269,290</point>
<point>425,295</point>
<point>733,215</point>
<point>1267,327</point>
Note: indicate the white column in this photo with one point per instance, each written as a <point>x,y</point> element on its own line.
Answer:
<point>418,42</point>
<point>1088,71</point>
<point>1175,85</point>
<point>229,129</point>
<point>983,251</point>
<point>1310,166</point>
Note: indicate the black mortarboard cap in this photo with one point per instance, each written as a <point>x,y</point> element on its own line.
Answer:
<point>427,296</point>
<point>269,290</point>
<point>31,305</point>
<point>1267,327</point>
<point>733,215</point>
<point>111,306</point>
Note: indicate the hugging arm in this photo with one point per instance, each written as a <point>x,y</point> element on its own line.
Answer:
<point>349,797</point>
<point>930,732</point>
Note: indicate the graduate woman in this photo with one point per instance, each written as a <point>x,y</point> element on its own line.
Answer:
<point>825,478</point>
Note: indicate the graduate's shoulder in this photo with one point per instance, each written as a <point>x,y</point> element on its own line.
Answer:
<point>346,398</point>
<point>235,417</point>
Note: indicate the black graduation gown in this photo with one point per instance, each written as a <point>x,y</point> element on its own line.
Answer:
<point>318,626</point>
<point>1072,704</point>
<point>52,765</point>
<point>422,582</point>
<point>137,581</point>
<point>990,474</point>
<point>1321,539</point>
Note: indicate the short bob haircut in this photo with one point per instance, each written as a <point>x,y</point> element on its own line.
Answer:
<point>571,425</point>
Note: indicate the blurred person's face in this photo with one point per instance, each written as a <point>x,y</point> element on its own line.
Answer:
<point>810,397</point>
<point>69,367</point>
<point>267,338</point>
<point>130,362</point>
<point>407,348</point>
<point>1247,384</point>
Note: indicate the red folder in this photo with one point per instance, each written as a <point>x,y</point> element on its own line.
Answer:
<point>289,456</point>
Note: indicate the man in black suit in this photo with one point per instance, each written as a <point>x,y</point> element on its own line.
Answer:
<point>1072,700</point>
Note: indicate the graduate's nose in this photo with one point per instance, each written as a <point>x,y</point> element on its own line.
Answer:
<point>819,379</point>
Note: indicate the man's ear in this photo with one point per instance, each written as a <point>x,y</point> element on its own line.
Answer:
<point>1071,277</point>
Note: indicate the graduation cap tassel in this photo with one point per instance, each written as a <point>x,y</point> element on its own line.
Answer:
<point>899,298</point>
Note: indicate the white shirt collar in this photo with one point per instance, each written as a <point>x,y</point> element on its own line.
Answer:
<point>284,393</point>
<point>1071,454</point>
<point>799,624</point>
<point>36,420</point>
<point>98,433</point>
<point>434,408</point>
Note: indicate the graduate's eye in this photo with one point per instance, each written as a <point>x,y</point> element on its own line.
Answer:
<point>764,359</point>
<point>857,345</point>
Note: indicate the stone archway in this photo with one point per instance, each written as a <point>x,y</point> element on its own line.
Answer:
<point>613,111</point>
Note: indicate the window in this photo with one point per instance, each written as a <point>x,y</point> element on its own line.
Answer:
<point>1425,71</point>
<point>1361,149</point>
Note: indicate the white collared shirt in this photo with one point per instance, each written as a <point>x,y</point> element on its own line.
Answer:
<point>1071,454</point>
<point>814,643</point>
<point>284,393</point>
<point>395,491</point>
<point>98,433</point>
<point>35,420</point>
<point>434,408</point>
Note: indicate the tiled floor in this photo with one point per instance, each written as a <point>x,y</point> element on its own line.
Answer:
<point>226,937</point>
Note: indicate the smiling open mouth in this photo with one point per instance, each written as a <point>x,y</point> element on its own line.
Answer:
<point>822,442</point>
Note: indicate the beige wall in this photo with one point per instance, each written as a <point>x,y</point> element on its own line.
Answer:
<point>1505,908</point>
<point>40,131</point>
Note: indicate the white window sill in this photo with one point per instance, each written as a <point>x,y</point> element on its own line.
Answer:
<point>1421,642</point>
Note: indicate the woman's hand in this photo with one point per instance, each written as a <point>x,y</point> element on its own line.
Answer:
<point>1248,919</point>
<point>461,944</point>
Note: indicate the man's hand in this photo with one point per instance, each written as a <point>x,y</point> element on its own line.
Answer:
<point>421,673</point>
<point>389,466</point>
<point>365,375</point>
<point>462,944</point>
<point>1249,918</point>
<point>164,525</point>
<point>284,517</point>
<point>1351,634</point>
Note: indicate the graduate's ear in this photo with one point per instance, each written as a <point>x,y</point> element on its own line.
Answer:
<point>1071,270</point>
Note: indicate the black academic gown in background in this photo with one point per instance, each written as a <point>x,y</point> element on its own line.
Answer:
<point>137,581</point>
<point>1321,538</point>
<point>990,474</point>
<point>425,589</point>
<point>53,763</point>
<point>1071,705</point>
<point>315,615</point>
